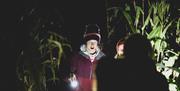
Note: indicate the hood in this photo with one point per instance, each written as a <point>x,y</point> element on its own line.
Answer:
<point>99,54</point>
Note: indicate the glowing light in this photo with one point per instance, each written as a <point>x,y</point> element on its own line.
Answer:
<point>74,84</point>
<point>172,87</point>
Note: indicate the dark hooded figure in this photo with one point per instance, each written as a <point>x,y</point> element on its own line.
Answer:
<point>83,63</point>
<point>135,72</point>
<point>107,70</point>
<point>140,72</point>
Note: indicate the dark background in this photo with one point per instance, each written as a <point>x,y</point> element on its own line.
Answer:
<point>76,14</point>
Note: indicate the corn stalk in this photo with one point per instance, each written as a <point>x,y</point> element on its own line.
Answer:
<point>39,63</point>
<point>33,73</point>
<point>156,26</point>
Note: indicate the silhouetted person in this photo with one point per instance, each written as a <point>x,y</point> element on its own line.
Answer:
<point>139,69</point>
<point>136,72</point>
<point>108,69</point>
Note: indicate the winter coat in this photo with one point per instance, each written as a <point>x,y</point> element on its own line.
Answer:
<point>84,69</point>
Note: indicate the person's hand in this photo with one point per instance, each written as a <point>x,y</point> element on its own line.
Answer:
<point>72,77</point>
<point>73,81</point>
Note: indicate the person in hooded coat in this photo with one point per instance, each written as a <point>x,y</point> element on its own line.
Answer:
<point>83,63</point>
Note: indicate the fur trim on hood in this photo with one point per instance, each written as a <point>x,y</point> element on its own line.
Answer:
<point>99,54</point>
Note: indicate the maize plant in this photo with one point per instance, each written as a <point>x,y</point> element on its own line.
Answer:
<point>157,26</point>
<point>32,71</point>
<point>39,62</point>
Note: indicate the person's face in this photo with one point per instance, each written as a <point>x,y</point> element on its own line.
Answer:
<point>91,46</point>
<point>120,49</point>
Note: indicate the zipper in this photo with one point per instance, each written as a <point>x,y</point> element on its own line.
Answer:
<point>91,70</point>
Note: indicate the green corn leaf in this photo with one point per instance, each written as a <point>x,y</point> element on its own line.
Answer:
<point>164,45</point>
<point>53,74</point>
<point>130,22</point>
<point>60,52</point>
<point>111,32</point>
<point>147,20</point>
<point>154,9</point>
<point>161,65</point>
<point>157,45</point>
<point>47,61</point>
<point>127,8</point>
<point>30,88</point>
<point>158,48</point>
<point>151,22</point>
<point>67,45</point>
<point>156,20</point>
<point>116,12</point>
<point>178,24</point>
<point>139,11</point>
<point>166,28</point>
<point>154,33</point>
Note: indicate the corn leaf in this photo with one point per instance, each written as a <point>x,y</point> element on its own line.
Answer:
<point>130,22</point>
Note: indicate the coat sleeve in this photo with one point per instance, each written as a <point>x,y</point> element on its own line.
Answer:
<point>73,64</point>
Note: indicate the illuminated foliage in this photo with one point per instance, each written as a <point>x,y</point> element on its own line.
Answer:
<point>40,61</point>
<point>158,25</point>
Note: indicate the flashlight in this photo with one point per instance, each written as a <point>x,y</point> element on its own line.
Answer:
<point>74,83</point>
